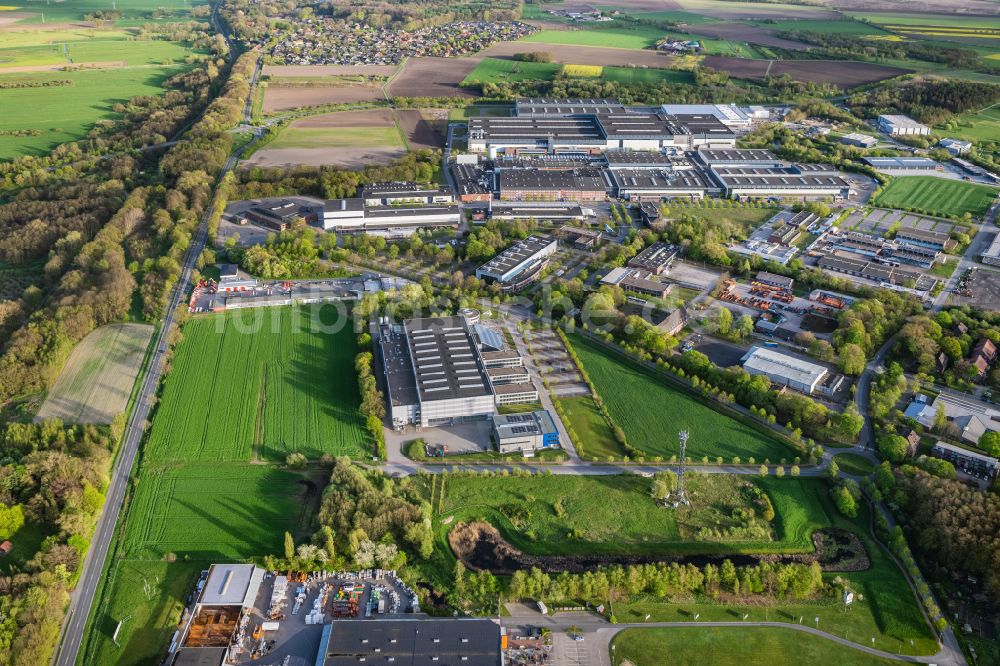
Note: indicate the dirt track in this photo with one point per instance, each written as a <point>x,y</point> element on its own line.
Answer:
<point>283,98</point>
<point>846,74</point>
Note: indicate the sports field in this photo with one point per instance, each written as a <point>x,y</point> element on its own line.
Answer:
<point>491,70</point>
<point>652,413</point>
<point>937,196</point>
<point>260,384</point>
<point>97,380</point>
<point>741,646</point>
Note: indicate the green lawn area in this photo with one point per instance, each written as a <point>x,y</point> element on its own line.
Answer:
<point>743,646</point>
<point>592,428</point>
<point>492,70</point>
<point>854,464</point>
<point>945,268</point>
<point>652,413</point>
<point>260,383</point>
<point>639,37</point>
<point>937,196</point>
<point>616,514</point>
<point>637,75</point>
<point>678,15</point>
<point>337,137</point>
<point>66,112</point>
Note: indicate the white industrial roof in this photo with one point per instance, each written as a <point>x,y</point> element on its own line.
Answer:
<point>232,585</point>
<point>900,121</point>
<point>772,362</point>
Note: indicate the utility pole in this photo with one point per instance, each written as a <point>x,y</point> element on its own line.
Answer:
<point>680,495</point>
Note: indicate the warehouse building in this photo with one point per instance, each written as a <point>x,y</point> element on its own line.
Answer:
<point>656,258</point>
<point>859,140</point>
<point>411,642</point>
<point>644,159</point>
<point>544,185</point>
<point>391,194</point>
<point>956,146</point>
<point>783,369</point>
<point>796,180</point>
<point>525,433</point>
<point>229,591</point>
<point>277,215</point>
<point>934,240</point>
<point>549,213</point>
<point>636,281</point>
<point>868,270</point>
<point>775,280</point>
<point>730,115</point>
<point>899,125</point>
<point>991,256</point>
<point>520,264</point>
<point>434,373</point>
<point>738,157</point>
<point>606,128</point>
<point>543,107</point>
<point>471,182</point>
<point>649,184</point>
<point>970,462</point>
<point>902,164</point>
<point>354,215</point>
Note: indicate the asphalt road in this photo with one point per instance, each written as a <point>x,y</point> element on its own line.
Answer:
<point>82,598</point>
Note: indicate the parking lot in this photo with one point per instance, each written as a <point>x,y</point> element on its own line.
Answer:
<point>554,365</point>
<point>880,220</point>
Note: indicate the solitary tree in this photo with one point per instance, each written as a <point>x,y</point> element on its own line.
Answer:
<point>289,546</point>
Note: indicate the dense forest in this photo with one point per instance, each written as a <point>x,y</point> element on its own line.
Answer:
<point>930,99</point>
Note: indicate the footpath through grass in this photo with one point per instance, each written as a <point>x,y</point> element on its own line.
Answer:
<point>261,383</point>
<point>937,196</point>
<point>738,646</point>
<point>652,413</point>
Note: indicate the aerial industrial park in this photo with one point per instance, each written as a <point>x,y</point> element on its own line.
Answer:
<point>511,333</point>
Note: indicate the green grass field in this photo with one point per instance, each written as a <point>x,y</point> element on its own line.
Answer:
<point>937,196</point>
<point>133,11</point>
<point>641,37</point>
<point>66,113</point>
<point>337,137</point>
<point>213,512</point>
<point>636,75</point>
<point>981,125</point>
<point>652,413</point>
<point>260,384</point>
<point>491,70</point>
<point>912,19</point>
<point>744,646</point>
<point>121,52</point>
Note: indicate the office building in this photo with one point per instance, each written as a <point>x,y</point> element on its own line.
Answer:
<point>525,433</point>
<point>520,264</point>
